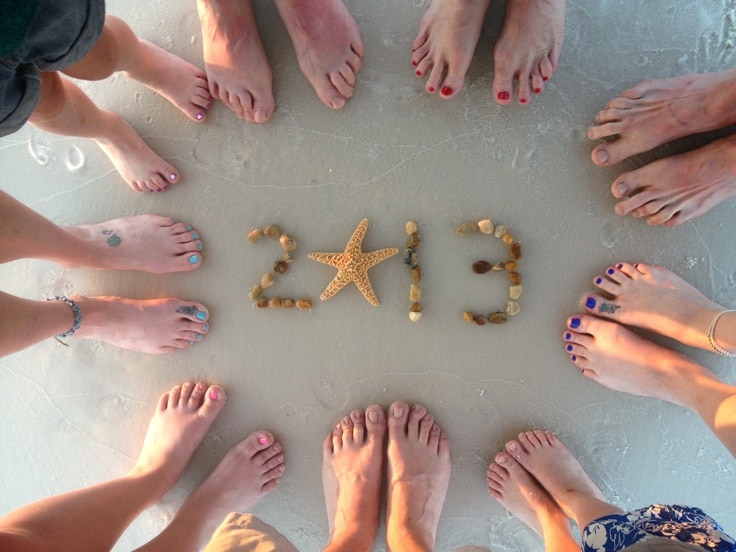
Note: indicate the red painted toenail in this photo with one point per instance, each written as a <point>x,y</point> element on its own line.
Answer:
<point>523,100</point>
<point>537,90</point>
<point>447,91</point>
<point>503,96</point>
<point>415,63</point>
<point>545,78</point>
<point>419,73</point>
<point>431,89</point>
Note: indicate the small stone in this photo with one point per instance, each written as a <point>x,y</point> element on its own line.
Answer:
<point>416,274</point>
<point>272,231</point>
<point>288,243</point>
<point>515,291</point>
<point>410,227</point>
<point>512,308</point>
<point>510,265</point>
<point>486,226</point>
<point>279,267</point>
<point>498,318</point>
<point>415,293</point>
<point>255,235</point>
<point>515,277</point>
<point>481,267</point>
<point>262,303</point>
<point>304,304</point>
<point>480,320</point>
<point>498,267</point>
<point>415,316</point>
<point>468,316</point>
<point>287,303</point>
<point>507,238</point>
<point>414,241</point>
<point>267,280</point>
<point>466,229</point>
<point>274,303</point>
<point>255,292</point>
<point>411,258</point>
<point>500,230</point>
<point>515,250</point>
<point>415,307</point>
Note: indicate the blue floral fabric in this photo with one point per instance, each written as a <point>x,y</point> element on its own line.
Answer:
<point>681,523</point>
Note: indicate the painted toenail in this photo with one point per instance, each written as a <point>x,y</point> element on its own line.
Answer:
<point>419,73</point>
<point>199,247</point>
<point>195,236</point>
<point>503,96</point>
<point>205,327</point>
<point>590,303</point>
<point>610,271</point>
<point>545,78</point>
<point>537,90</point>
<point>620,266</point>
<point>198,336</point>
<point>188,227</point>
<point>447,90</point>
<point>194,259</point>
<point>598,281</point>
<point>172,176</point>
<point>414,63</point>
<point>575,323</point>
<point>568,336</point>
<point>602,156</point>
<point>513,446</point>
<point>523,100</point>
<point>573,358</point>
<point>372,416</point>
<point>200,116</point>
<point>430,89</point>
<point>263,440</point>
<point>201,315</point>
<point>569,348</point>
<point>214,395</point>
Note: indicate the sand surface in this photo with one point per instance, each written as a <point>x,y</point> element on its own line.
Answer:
<point>76,416</point>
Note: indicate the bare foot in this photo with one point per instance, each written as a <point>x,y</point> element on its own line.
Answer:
<point>149,243</point>
<point>529,48</point>
<point>655,299</point>
<point>247,473</point>
<point>676,189</point>
<point>559,472</point>
<point>418,476</point>
<point>154,326</point>
<point>138,164</point>
<point>660,111</point>
<point>518,492</point>
<point>617,358</point>
<point>328,46</point>
<point>237,68</point>
<point>352,471</point>
<point>177,80</point>
<point>182,417</point>
<point>444,47</point>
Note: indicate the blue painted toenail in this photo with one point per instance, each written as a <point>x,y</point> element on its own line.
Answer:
<point>205,327</point>
<point>610,271</point>
<point>568,336</point>
<point>590,303</point>
<point>201,315</point>
<point>573,358</point>
<point>598,281</point>
<point>188,227</point>
<point>195,236</point>
<point>191,343</point>
<point>198,336</point>
<point>569,348</point>
<point>194,259</point>
<point>575,323</point>
<point>199,247</point>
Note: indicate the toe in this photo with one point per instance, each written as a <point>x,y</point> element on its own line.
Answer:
<point>255,443</point>
<point>397,421</point>
<point>212,401</point>
<point>187,388</point>
<point>358,419</point>
<point>375,422</point>
<point>415,417</point>
<point>174,395</point>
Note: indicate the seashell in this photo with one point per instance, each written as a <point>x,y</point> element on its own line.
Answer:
<point>415,316</point>
<point>415,307</point>
<point>500,230</point>
<point>507,238</point>
<point>279,267</point>
<point>262,303</point>
<point>486,226</point>
<point>497,267</point>
<point>515,291</point>
<point>415,293</point>
<point>255,235</point>
<point>272,231</point>
<point>287,303</point>
<point>414,241</point>
<point>410,227</point>
<point>255,292</point>
<point>512,308</point>
<point>498,318</point>
<point>480,320</point>
<point>510,265</point>
<point>481,267</point>
<point>411,258</point>
<point>515,277</point>
<point>416,274</point>
<point>267,280</point>
<point>288,243</point>
<point>466,229</point>
<point>468,316</point>
<point>274,303</point>
<point>304,304</point>
<point>515,250</point>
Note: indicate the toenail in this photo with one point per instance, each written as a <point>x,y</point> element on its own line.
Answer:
<point>575,323</point>
<point>419,73</point>
<point>214,395</point>
<point>194,259</point>
<point>199,247</point>
<point>277,448</point>
<point>188,227</point>
<point>414,63</point>
<point>610,271</point>
<point>200,116</point>
<point>545,78</point>
<point>447,90</point>
<point>622,188</point>
<point>537,90</point>
<point>568,336</point>
<point>201,315</point>
<point>372,416</point>
<point>590,303</point>
<point>602,156</point>
<point>172,176</point>
<point>430,89</point>
<point>522,100</point>
<point>398,411</point>
<point>513,446</point>
<point>263,440</point>
<point>620,266</point>
<point>198,336</point>
<point>209,104</point>
<point>598,281</point>
<point>503,95</point>
<point>569,348</point>
<point>573,358</point>
<point>195,236</point>
<point>205,327</point>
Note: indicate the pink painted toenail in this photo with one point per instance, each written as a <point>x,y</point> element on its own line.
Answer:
<point>200,116</point>
<point>263,440</point>
<point>503,96</point>
<point>447,90</point>
<point>214,395</point>
<point>172,176</point>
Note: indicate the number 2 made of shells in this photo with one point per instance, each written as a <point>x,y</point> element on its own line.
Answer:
<point>510,267</point>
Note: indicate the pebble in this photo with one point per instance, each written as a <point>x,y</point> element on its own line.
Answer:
<point>272,231</point>
<point>415,293</point>
<point>498,318</point>
<point>415,307</point>
<point>411,258</point>
<point>255,235</point>
<point>481,267</point>
<point>255,292</point>
<point>262,303</point>
<point>288,243</point>
<point>414,241</point>
<point>468,316</point>
<point>279,267</point>
<point>515,278</point>
<point>274,302</point>
<point>486,226</point>
<point>515,291</point>
<point>267,280</point>
<point>415,316</point>
<point>411,227</point>
<point>515,250</point>
<point>304,304</point>
<point>416,274</point>
<point>510,265</point>
<point>498,267</point>
<point>500,230</point>
<point>512,308</point>
<point>287,303</point>
<point>466,229</point>
<point>480,320</point>
<point>507,238</point>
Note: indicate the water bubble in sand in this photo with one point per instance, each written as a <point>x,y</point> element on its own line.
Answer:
<point>74,159</point>
<point>609,234</point>
<point>40,149</point>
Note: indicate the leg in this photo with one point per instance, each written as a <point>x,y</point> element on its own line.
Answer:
<point>660,111</point>
<point>328,46</point>
<point>529,48</point>
<point>655,299</point>
<point>518,492</point>
<point>352,470</point>
<point>676,189</point>
<point>444,47</point>
<point>557,470</point>
<point>247,473</point>
<point>118,49</point>
<point>147,243</point>
<point>619,359</point>
<point>179,423</point>
<point>237,68</point>
<point>64,109</point>
<point>418,476</point>
<point>153,326</point>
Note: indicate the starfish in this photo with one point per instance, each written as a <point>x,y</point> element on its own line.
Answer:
<point>352,265</point>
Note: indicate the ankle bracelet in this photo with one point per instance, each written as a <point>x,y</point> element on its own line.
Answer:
<point>716,347</point>
<point>77,317</point>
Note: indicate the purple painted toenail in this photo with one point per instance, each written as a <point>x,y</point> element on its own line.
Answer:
<point>590,303</point>
<point>568,336</point>
<point>575,323</point>
<point>610,271</point>
<point>620,266</point>
<point>200,116</point>
<point>573,358</point>
<point>569,348</point>
<point>598,281</point>
<point>172,176</point>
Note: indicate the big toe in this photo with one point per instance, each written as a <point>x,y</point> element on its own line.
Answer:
<point>398,419</point>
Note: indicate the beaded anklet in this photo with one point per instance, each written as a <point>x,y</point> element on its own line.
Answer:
<point>77,317</point>
<point>711,330</point>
